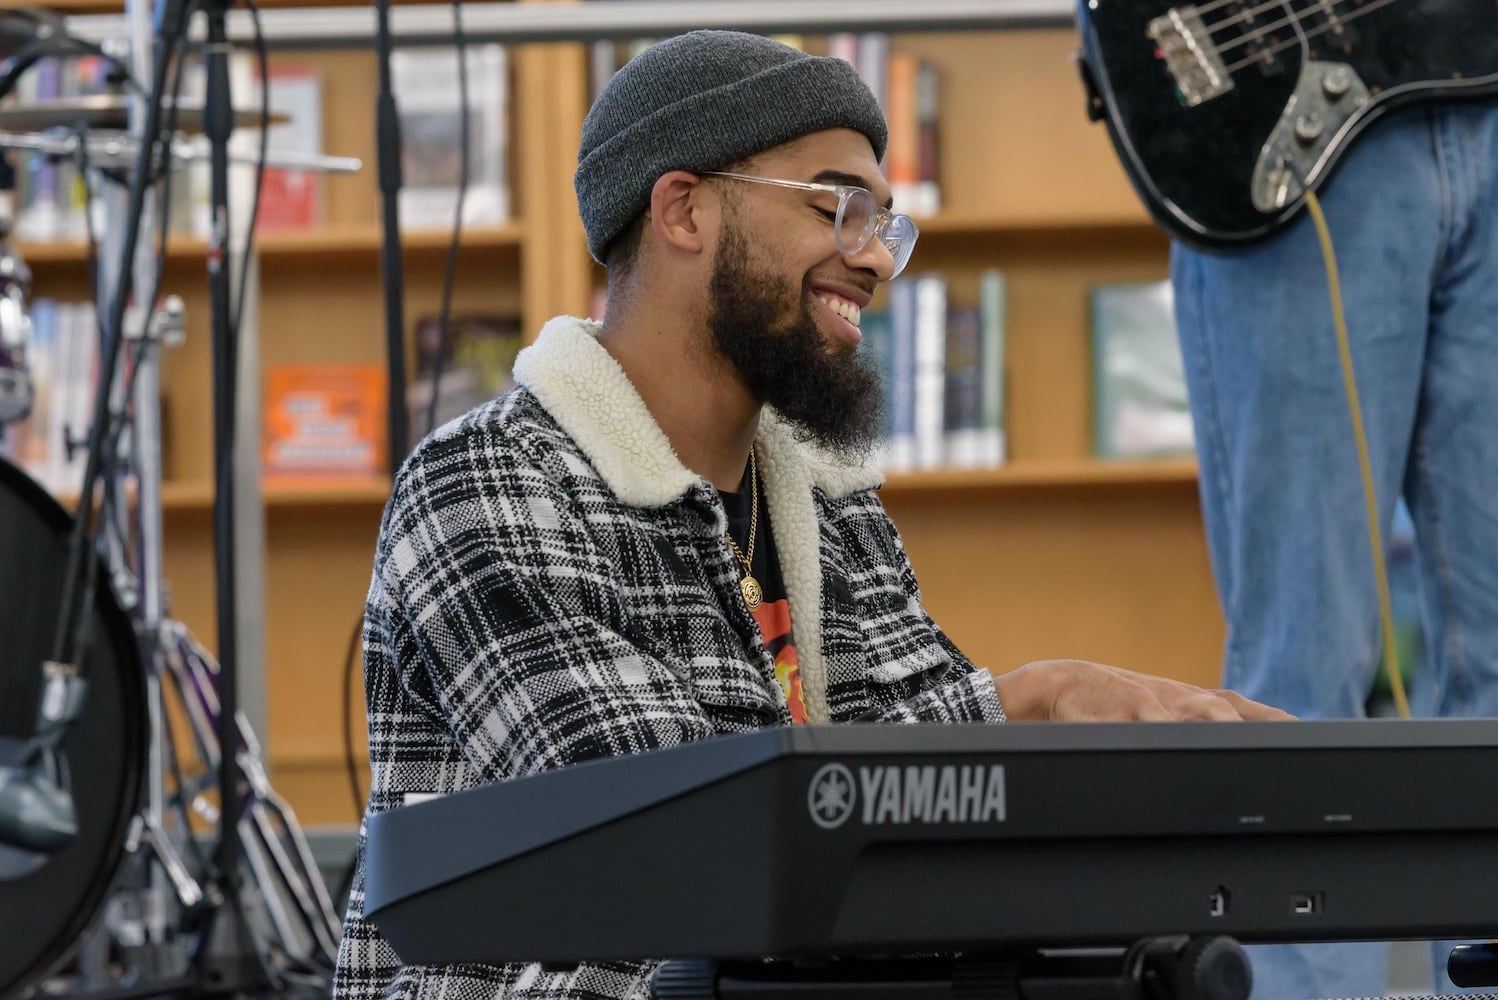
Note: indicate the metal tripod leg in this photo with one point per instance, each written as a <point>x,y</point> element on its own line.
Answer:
<point>151,834</point>
<point>290,889</point>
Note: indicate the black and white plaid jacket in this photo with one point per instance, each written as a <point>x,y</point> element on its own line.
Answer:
<point>552,585</point>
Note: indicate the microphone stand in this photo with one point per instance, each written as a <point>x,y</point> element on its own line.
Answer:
<point>392,270</point>
<point>218,122</point>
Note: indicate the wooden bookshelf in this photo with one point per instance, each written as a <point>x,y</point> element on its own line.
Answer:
<point>1054,554</point>
<point>194,496</point>
<point>950,225</point>
<point>1077,473</point>
<point>355,492</point>
<point>352,241</point>
<point>1081,474</point>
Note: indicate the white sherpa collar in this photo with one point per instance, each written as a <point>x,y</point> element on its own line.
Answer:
<point>585,390</point>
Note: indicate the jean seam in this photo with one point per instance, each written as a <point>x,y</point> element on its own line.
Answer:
<point>1220,483</point>
<point>1445,585</point>
<point>1443,177</point>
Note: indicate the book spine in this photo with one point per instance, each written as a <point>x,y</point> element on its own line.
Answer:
<point>963,382</point>
<point>900,454</point>
<point>930,369</point>
<point>992,308</point>
<point>879,349</point>
<point>873,65</point>
<point>901,159</point>
<point>843,45</point>
<point>928,147</point>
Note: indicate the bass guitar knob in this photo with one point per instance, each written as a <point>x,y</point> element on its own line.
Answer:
<point>1336,83</point>
<point>1308,128</point>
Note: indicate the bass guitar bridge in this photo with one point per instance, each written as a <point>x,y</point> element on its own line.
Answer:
<point>1183,42</point>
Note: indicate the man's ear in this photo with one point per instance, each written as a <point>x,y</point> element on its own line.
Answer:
<point>677,218</point>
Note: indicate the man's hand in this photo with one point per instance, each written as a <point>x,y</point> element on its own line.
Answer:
<point>1079,691</point>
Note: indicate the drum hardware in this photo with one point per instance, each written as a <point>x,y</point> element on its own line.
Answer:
<point>299,907</point>
<point>15,321</point>
<point>159,898</point>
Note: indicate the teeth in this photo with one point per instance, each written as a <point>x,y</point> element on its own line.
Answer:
<point>846,310</point>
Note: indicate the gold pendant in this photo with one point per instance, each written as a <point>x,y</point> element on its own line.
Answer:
<point>749,587</point>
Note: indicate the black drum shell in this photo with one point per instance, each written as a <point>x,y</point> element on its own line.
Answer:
<point>42,913</point>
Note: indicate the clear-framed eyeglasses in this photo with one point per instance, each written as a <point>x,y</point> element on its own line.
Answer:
<point>859,217</point>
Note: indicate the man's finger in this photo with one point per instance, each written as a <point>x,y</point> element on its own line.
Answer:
<point>1250,709</point>
<point>1207,707</point>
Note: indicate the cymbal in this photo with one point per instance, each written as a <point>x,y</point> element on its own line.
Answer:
<point>111,112</point>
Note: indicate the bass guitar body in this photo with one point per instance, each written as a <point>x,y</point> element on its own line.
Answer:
<point>1225,112</point>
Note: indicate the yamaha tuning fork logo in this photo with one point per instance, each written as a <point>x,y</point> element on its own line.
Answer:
<point>928,793</point>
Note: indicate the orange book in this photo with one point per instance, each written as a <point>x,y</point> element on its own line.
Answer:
<point>323,423</point>
<point>902,157</point>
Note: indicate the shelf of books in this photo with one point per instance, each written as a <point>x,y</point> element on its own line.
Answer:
<point>360,242</point>
<point>1039,454</point>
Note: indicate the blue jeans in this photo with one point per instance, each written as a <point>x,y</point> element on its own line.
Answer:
<point>1413,212</point>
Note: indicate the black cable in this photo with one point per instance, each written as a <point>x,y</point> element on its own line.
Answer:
<point>249,236</point>
<point>91,575</point>
<point>450,272</point>
<point>357,793</point>
<point>108,504</point>
<point>218,122</point>
<point>392,271</point>
<point>91,238</point>
<point>162,172</point>
<point>349,662</point>
<point>72,621</point>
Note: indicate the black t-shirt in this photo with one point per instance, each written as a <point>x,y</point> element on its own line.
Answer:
<point>774,613</point>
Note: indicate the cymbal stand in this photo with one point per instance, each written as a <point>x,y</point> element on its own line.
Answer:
<point>144,921</point>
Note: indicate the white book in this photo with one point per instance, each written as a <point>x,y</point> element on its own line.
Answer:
<point>843,45</point>
<point>992,305</point>
<point>292,199</point>
<point>930,370</point>
<point>602,64</point>
<point>873,65</point>
<point>426,80</point>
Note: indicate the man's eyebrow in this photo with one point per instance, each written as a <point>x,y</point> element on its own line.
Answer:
<point>849,180</point>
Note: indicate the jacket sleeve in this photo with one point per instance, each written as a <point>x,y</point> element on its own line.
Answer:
<point>970,697</point>
<point>957,692</point>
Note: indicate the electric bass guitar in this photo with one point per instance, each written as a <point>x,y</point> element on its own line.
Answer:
<point>1224,112</point>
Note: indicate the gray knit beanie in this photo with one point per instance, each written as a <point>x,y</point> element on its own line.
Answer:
<point>702,101</point>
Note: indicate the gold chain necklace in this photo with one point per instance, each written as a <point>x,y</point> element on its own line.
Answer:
<point>749,586</point>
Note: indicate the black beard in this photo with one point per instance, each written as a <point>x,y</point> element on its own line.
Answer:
<point>832,398</point>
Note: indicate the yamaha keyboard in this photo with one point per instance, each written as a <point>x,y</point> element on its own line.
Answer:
<point>867,840</point>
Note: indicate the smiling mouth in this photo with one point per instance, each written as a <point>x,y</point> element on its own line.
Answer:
<point>841,308</point>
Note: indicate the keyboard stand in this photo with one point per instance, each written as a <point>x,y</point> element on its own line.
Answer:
<point>1473,965</point>
<point>1158,968</point>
